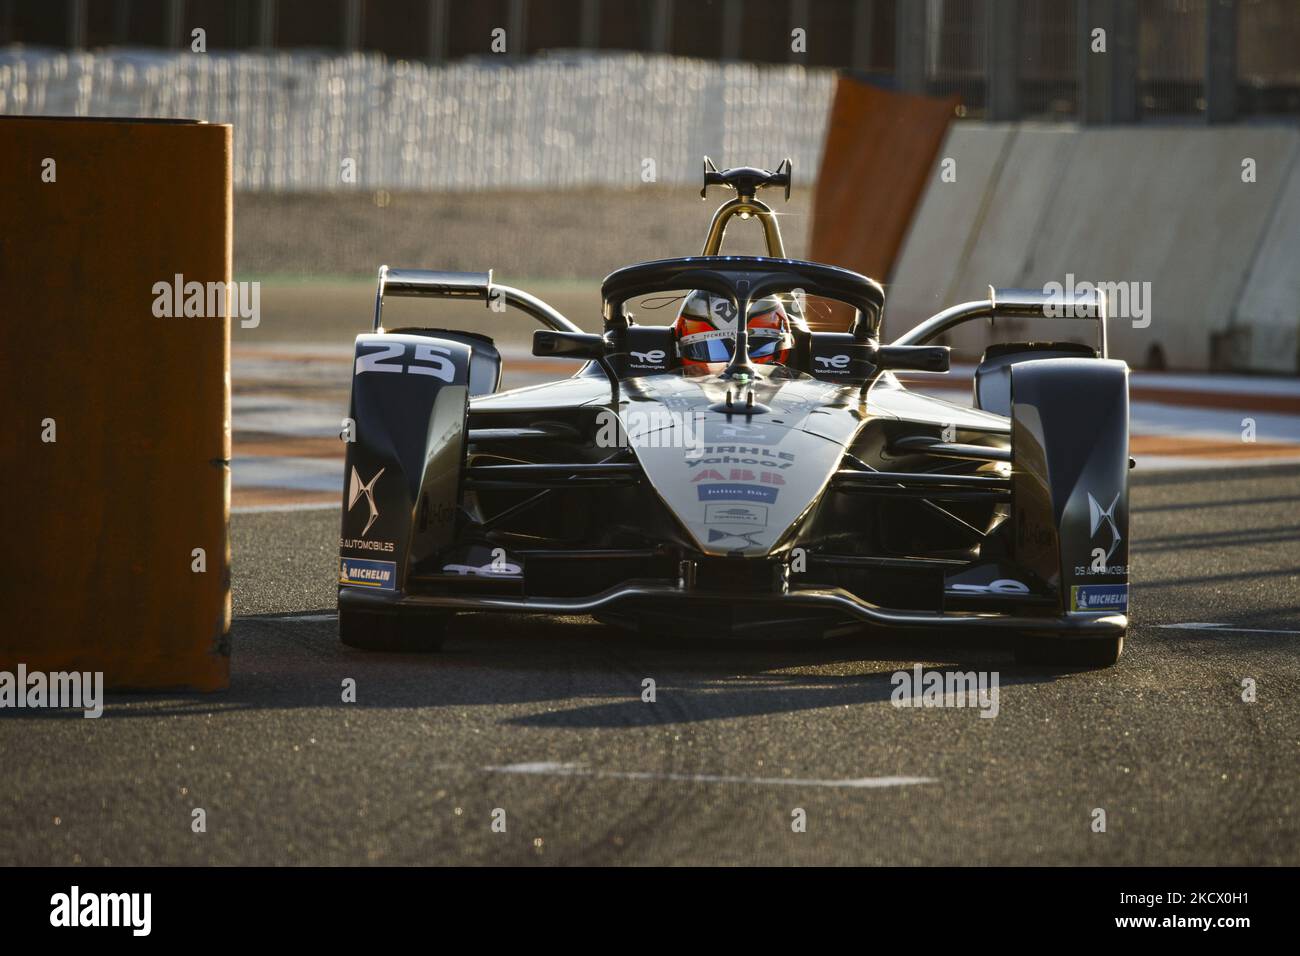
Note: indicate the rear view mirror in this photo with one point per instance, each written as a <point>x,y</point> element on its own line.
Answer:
<point>578,345</point>
<point>917,358</point>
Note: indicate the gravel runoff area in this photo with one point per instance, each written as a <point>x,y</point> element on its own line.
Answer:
<point>582,234</point>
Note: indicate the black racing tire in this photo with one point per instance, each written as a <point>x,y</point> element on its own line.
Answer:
<point>404,633</point>
<point>1094,652</point>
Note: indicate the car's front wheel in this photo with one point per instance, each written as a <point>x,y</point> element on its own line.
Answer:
<point>410,633</point>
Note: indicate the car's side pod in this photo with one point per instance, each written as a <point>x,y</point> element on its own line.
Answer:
<point>405,456</point>
<point>1069,481</point>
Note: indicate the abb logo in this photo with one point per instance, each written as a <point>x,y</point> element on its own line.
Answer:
<point>739,474</point>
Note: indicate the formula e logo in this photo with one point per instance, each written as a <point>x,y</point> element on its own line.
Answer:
<point>828,362</point>
<point>356,490</point>
<point>653,357</point>
<point>750,516</point>
<point>1097,515</point>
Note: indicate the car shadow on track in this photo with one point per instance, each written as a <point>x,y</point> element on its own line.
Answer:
<point>728,678</point>
<point>296,661</point>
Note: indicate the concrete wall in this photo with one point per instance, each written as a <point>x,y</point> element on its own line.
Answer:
<point>1268,308</point>
<point>1165,206</point>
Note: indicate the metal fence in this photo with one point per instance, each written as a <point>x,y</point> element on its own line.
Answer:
<point>313,119</point>
<point>1158,48</point>
<point>320,122</point>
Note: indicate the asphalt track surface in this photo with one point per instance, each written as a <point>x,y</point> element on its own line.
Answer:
<point>738,738</point>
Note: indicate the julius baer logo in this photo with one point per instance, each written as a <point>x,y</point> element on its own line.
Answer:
<point>75,909</point>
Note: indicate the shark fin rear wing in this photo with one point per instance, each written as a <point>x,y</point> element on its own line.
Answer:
<point>433,284</point>
<point>1087,303</point>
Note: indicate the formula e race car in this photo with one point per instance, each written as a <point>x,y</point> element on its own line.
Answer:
<point>735,472</point>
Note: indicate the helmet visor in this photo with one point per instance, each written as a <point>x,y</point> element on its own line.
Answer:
<point>718,346</point>
<point>712,345</point>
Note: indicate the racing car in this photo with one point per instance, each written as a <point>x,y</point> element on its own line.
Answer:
<point>739,472</point>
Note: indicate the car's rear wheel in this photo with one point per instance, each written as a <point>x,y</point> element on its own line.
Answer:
<point>409,633</point>
<point>1067,652</point>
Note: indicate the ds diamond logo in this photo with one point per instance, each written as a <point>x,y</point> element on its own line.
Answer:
<point>356,489</point>
<point>1096,515</point>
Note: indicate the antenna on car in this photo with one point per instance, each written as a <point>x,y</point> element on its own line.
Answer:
<point>746,181</point>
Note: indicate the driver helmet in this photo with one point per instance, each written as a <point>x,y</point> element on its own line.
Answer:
<point>706,328</point>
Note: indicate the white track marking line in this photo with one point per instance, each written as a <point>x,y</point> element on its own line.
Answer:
<point>548,768</point>
<point>309,617</point>
<point>1206,626</point>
